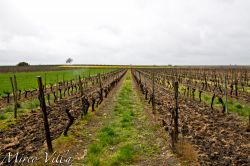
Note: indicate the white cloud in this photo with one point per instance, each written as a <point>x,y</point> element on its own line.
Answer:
<point>125,32</point>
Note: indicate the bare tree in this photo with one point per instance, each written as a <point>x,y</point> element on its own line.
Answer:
<point>23,64</point>
<point>69,60</point>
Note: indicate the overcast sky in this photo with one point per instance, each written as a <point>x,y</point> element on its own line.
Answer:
<point>157,32</point>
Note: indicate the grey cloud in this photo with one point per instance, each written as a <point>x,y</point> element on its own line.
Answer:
<point>125,32</point>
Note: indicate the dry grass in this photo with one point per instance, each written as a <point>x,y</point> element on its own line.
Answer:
<point>187,153</point>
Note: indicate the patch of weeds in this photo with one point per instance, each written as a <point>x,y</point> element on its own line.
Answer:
<point>126,154</point>
<point>63,142</point>
<point>129,106</point>
<point>206,98</point>
<point>2,117</point>
<point>217,102</point>
<point>238,106</point>
<point>230,102</point>
<point>21,111</point>
<point>118,108</point>
<point>11,122</point>
<point>31,104</point>
<point>233,106</point>
<point>132,113</point>
<point>95,149</point>
<point>242,110</point>
<point>94,160</point>
<point>108,136</point>
<point>9,109</point>
<point>108,130</point>
<point>126,120</point>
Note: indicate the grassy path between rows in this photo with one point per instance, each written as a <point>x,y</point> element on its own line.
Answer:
<point>122,131</point>
<point>129,137</point>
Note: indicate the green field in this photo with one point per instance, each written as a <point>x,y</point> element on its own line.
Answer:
<point>28,80</point>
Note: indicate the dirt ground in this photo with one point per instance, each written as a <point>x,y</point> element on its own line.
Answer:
<point>136,137</point>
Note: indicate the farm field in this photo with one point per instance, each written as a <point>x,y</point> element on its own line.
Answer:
<point>28,80</point>
<point>212,131</point>
<point>131,116</point>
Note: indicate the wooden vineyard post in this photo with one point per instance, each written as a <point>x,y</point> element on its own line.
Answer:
<point>236,86</point>
<point>16,89</point>
<point>140,76</point>
<point>14,96</point>
<point>153,93</point>
<point>80,86</point>
<point>57,87</point>
<point>176,86</point>
<point>226,106</point>
<point>101,89</point>
<point>205,81</point>
<point>8,96</point>
<point>200,92</point>
<point>174,119</point>
<point>212,102</point>
<point>15,84</point>
<point>81,91</point>
<point>45,118</point>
